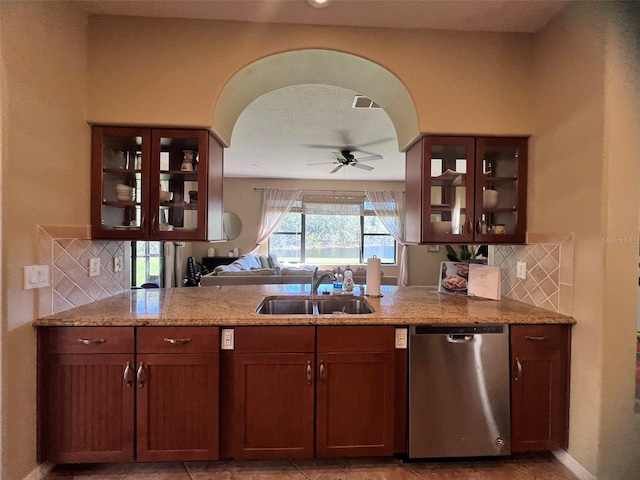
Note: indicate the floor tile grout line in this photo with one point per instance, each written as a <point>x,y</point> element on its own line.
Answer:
<point>298,468</point>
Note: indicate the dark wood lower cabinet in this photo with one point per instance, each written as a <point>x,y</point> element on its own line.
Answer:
<point>355,404</point>
<point>88,414</point>
<point>99,401</point>
<point>539,387</point>
<point>296,387</point>
<point>177,407</point>
<point>274,396</point>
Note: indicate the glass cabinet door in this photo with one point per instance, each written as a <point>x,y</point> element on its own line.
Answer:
<point>501,169</point>
<point>179,163</point>
<point>448,192</point>
<point>119,174</point>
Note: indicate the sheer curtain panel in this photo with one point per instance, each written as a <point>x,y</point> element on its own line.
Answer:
<point>389,208</point>
<point>275,205</point>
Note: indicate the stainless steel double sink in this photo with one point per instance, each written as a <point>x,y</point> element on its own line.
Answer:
<point>314,305</point>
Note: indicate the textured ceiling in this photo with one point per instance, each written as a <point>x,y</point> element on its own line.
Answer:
<point>281,132</point>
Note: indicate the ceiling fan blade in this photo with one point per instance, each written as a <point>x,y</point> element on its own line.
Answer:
<point>370,158</point>
<point>336,169</point>
<point>364,167</point>
<point>323,163</point>
<point>339,156</point>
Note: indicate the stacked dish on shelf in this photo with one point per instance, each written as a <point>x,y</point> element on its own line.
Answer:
<point>125,193</point>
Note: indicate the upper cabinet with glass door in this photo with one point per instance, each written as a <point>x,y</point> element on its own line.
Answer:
<point>156,184</point>
<point>466,190</point>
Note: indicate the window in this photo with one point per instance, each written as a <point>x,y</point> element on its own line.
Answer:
<point>146,263</point>
<point>332,230</point>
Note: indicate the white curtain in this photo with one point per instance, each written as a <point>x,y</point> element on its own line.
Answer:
<point>389,208</point>
<point>275,205</point>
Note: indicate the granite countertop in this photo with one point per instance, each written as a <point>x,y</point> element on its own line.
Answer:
<point>236,305</point>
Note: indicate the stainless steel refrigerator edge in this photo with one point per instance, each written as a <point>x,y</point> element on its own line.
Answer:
<point>459,394</point>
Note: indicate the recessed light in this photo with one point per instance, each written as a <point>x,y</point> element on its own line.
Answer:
<point>254,165</point>
<point>318,3</point>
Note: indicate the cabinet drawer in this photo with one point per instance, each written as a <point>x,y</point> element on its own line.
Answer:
<point>356,339</point>
<point>87,339</point>
<point>274,339</point>
<point>539,336</point>
<point>177,340</point>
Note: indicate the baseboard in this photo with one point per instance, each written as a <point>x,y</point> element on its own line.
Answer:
<point>40,472</point>
<point>572,464</point>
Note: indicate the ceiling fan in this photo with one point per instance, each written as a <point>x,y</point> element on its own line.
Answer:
<point>345,158</point>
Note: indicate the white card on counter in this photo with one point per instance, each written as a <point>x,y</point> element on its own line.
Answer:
<point>484,281</point>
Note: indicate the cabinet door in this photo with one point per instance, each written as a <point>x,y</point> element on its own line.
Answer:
<point>179,182</point>
<point>177,407</point>
<point>88,407</point>
<point>355,404</point>
<point>120,182</point>
<point>273,404</point>
<point>539,378</point>
<point>501,190</point>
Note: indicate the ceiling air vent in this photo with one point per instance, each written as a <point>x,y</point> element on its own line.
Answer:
<point>360,101</point>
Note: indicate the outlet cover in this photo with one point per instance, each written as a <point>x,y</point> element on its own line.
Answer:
<point>226,341</point>
<point>94,267</point>
<point>117,264</point>
<point>521,270</point>
<point>401,338</point>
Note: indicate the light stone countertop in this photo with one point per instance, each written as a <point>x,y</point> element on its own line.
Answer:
<point>236,305</point>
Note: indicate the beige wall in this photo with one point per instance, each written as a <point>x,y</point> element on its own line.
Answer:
<point>45,176</point>
<point>460,82</point>
<point>565,86</point>
<point>241,198</point>
<point>583,174</point>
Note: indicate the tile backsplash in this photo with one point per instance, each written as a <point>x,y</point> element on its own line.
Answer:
<point>67,250</point>
<point>549,280</point>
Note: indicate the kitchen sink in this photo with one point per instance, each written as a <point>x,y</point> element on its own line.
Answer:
<point>313,306</point>
<point>343,305</point>
<point>286,306</point>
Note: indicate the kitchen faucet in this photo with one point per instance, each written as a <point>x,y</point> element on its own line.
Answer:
<point>317,280</point>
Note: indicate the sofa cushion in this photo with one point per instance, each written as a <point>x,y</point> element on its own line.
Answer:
<point>264,261</point>
<point>302,270</point>
<point>248,273</point>
<point>275,263</point>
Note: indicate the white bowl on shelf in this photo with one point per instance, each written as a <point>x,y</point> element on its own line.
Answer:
<point>126,197</point>
<point>441,227</point>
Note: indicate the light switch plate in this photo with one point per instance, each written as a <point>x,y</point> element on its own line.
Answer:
<point>35,276</point>
<point>117,264</point>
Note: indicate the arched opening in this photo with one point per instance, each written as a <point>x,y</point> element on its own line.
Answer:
<point>317,67</point>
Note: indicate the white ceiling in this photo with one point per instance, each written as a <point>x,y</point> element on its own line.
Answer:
<point>280,133</point>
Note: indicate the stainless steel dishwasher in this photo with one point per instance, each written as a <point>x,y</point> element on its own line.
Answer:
<point>459,402</point>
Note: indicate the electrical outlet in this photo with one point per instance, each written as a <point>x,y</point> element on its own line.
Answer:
<point>117,264</point>
<point>521,270</point>
<point>227,339</point>
<point>401,338</point>
<point>94,267</point>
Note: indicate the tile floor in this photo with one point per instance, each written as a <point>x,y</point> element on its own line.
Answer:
<point>517,467</point>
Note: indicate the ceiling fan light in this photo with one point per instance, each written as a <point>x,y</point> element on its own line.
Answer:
<point>318,3</point>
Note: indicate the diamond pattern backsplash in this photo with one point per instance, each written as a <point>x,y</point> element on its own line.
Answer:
<point>549,280</point>
<point>68,254</point>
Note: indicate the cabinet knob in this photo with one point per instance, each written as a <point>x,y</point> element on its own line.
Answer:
<point>323,375</point>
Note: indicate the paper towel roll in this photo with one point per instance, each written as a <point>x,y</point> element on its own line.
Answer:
<point>373,276</point>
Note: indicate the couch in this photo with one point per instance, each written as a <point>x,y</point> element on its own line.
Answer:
<point>262,269</point>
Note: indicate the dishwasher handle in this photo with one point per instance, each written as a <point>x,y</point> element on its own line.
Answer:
<point>459,338</point>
